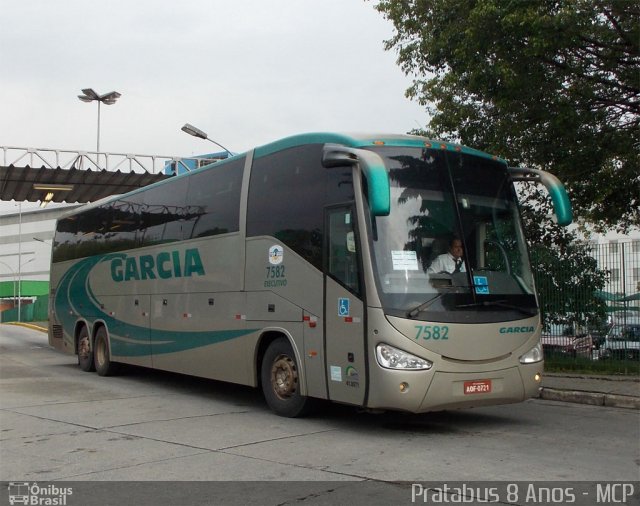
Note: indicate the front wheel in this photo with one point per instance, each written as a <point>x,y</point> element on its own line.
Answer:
<point>281,381</point>
<point>101,355</point>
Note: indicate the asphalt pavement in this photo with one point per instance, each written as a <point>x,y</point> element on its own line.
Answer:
<point>596,390</point>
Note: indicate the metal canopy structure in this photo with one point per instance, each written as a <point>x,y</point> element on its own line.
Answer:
<point>82,176</point>
<point>68,185</point>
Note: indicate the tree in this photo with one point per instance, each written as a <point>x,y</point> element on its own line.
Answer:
<point>545,83</point>
<point>566,274</point>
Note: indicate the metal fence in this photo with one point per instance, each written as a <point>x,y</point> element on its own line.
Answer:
<point>29,312</point>
<point>594,330</point>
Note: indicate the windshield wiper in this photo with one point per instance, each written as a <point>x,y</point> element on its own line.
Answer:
<point>500,303</point>
<point>416,310</point>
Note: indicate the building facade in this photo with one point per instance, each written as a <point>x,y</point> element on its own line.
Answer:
<point>26,237</point>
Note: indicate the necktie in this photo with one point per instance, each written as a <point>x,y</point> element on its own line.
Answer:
<point>458,265</point>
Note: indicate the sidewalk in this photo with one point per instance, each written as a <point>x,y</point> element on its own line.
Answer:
<point>611,391</point>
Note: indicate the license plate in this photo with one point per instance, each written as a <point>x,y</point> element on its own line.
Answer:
<point>477,387</point>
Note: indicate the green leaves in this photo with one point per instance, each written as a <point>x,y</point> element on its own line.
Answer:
<point>554,85</point>
<point>566,273</point>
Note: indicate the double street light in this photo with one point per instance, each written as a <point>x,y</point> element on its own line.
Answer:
<point>108,99</point>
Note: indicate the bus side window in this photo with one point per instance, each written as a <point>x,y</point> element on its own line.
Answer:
<point>125,222</point>
<point>213,200</point>
<point>64,243</point>
<point>342,257</point>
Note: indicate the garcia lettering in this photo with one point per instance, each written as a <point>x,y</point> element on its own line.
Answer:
<point>516,330</point>
<point>165,265</point>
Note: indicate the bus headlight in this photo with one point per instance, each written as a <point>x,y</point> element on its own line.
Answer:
<point>533,355</point>
<point>393,358</point>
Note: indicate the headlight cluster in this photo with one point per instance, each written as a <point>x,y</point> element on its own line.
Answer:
<point>393,358</point>
<point>533,355</point>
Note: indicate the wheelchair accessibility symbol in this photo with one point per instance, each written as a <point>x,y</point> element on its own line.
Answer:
<point>343,307</point>
<point>481,284</point>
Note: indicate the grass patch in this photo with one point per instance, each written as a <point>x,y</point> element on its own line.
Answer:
<point>562,363</point>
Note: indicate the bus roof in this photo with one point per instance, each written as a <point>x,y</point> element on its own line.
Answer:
<point>366,140</point>
<point>349,140</point>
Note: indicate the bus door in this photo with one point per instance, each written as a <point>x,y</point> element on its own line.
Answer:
<point>345,352</point>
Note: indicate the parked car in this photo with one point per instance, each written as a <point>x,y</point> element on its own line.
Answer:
<point>569,346</point>
<point>622,342</point>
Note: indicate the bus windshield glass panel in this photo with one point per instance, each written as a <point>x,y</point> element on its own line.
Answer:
<point>453,242</point>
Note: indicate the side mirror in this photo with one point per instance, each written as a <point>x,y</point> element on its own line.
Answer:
<point>559,197</point>
<point>379,191</point>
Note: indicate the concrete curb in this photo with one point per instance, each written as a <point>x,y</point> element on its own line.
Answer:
<point>591,398</point>
<point>621,401</point>
<point>29,326</point>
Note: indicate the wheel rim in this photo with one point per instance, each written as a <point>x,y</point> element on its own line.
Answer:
<point>83,348</point>
<point>284,377</point>
<point>101,351</point>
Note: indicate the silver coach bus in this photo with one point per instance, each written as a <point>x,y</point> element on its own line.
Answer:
<point>306,267</point>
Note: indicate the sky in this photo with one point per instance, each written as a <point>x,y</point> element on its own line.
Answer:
<point>247,72</point>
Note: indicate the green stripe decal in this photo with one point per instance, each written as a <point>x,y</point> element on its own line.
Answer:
<point>127,340</point>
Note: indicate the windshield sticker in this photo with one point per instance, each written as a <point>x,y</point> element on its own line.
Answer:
<point>276,254</point>
<point>404,260</point>
<point>351,242</point>
<point>336,373</point>
<point>482,285</point>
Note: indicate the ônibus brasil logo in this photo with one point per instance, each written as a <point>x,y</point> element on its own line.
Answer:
<point>36,495</point>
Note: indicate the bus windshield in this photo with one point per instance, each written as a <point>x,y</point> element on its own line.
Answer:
<point>452,243</point>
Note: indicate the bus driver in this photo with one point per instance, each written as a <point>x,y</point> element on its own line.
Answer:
<point>449,262</point>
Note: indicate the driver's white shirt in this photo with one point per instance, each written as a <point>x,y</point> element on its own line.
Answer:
<point>444,263</point>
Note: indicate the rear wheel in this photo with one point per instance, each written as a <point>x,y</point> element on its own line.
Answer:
<point>85,353</point>
<point>101,355</point>
<point>281,381</point>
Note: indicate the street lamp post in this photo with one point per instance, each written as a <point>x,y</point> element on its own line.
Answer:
<point>20,285</point>
<point>108,99</point>
<point>19,253</point>
<point>13,273</point>
<point>196,132</point>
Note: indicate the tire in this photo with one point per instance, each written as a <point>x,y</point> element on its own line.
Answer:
<point>280,381</point>
<point>85,353</point>
<point>101,356</point>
